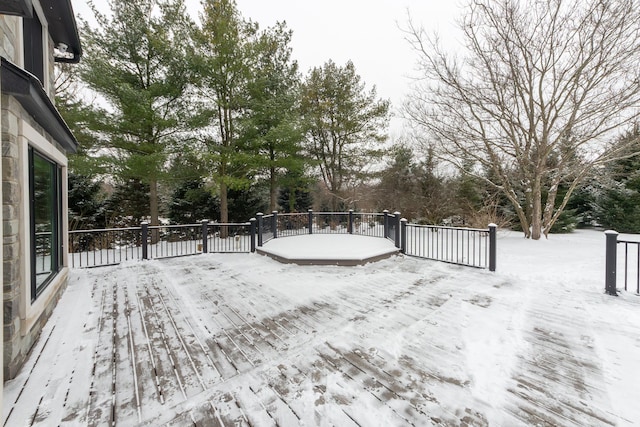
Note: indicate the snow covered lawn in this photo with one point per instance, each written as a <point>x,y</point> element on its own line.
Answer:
<point>242,339</point>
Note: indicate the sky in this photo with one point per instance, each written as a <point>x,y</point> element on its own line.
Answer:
<point>367,32</point>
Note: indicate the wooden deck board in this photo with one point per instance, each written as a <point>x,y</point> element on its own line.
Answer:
<point>180,351</point>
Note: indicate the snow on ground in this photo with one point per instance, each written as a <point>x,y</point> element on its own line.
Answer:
<point>223,339</point>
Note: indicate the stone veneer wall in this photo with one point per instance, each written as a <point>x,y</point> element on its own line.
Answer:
<point>17,339</point>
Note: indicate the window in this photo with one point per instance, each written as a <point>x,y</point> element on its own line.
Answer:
<point>33,46</point>
<point>45,205</point>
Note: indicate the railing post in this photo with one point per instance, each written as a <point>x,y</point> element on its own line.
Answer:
<point>274,224</point>
<point>611,262</point>
<point>145,239</point>
<point>403,235</point>
<point>350,226</point>
<point>493,253</point>
<point>397,227</point>
<point>205,237</point>
<point>385,222</point>
<point>310,211</point>
<point>260,228</point>
<point>252,231</point>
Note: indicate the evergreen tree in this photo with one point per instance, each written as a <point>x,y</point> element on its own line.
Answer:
<point>295,195</point>
<point>272,128</point>
<point>86,202</point>
<point>191,202</point>
<point>226,44</point>
<point>618,202</point>
<point>344,124</point>
<point>136,60</point>
<point>128,205</point>
<point>398,188</point>
<point>245,203</point>
<point>79,117</point>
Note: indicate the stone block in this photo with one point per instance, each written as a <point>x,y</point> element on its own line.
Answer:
<point>10,122</point>
<point>10,252</point>
<point>10,271</point>
<point>10,192</point>
<point>11,310</point>
<point>10,167</point>
<point>11,227</point>
<point>9,145</point>
<point>9,212</point>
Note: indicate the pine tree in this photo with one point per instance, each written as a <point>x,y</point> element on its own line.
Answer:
<point>226,42</point>
<point>344,125</point>
<point>86,202</point>
<point>136,60</point>
<point>272,129</point>
<point>618,202</point>
<point>191,202</point>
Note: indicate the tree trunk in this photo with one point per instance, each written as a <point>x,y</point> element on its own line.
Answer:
<point>154,209</point>
<point>224,210</point>
<point>273,190</point>
<point>536,209</point>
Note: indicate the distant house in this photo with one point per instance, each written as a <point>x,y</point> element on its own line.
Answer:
<point>35,142</point>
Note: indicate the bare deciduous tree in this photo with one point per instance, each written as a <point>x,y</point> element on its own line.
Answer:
<point>541,89</point>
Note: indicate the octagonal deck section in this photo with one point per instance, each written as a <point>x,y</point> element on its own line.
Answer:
<point>328,249</point>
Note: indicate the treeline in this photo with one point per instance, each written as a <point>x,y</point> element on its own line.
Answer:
<point>187,120</point>
<point>214,120</point>
<point>415,183</point>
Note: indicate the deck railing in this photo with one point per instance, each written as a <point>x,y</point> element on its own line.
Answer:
<point>629,262</point>
<point>109,246</point>
<point>464,246</point>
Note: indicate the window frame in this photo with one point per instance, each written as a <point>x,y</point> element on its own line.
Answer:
<point>57,249</point>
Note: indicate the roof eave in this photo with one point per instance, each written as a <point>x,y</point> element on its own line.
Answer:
<point>62,27</point>
<point>28,90</point>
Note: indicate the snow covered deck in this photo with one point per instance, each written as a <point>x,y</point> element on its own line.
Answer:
<point>240,339</point>
<point>328,249</point>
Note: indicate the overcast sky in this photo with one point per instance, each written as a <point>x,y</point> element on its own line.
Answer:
<point>364,31</point>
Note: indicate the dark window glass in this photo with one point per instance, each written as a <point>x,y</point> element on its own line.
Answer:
<point>33,48</point>
<point>45,221</point>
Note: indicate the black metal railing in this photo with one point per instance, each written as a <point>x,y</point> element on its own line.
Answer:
<point>292,224</point>
<point>93,248</point>
<point>630,250</point>
<point>368,224</point>
<point>462,246</point>
<point>331,223</point>
<point>229,238</point>
<point>267,227</point>
<point>108,246</point>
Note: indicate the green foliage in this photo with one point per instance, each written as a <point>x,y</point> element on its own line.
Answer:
<point>192,202</point>
<point>271,129</point>
<point>244,204</point>
<point>413,187</point>
<point>295,195</point>
<point>136,61</point>
<point>86,202</point>
<point>618,203</point>
<point>128,205</point>
<point>344,124</point>
<point>225,44</point>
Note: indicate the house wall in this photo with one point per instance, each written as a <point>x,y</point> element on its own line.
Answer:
<point>22,319</point>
